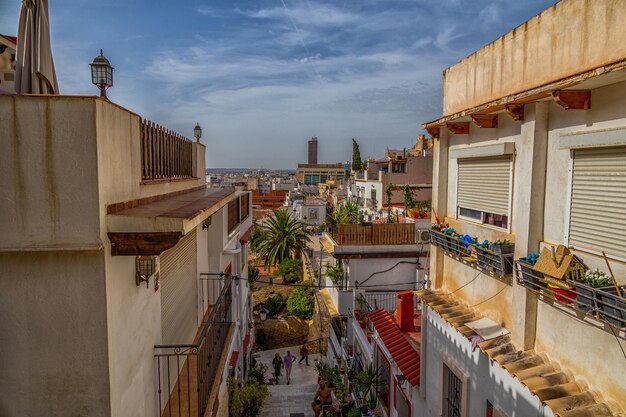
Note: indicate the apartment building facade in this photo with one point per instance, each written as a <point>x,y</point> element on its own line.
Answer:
<point>122,276</point>
<point>533,154</point>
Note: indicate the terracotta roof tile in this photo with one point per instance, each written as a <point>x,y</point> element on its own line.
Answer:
<point>402,352</point>
<point>555,388</point>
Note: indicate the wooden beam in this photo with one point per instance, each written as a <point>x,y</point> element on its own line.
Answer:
<point>488,121</point>
<point>516,111</point>
<point>458,128</point>
<point>384,255</point>
<point>573,99</point>
<point>148,243</point>
<point>433,131</point>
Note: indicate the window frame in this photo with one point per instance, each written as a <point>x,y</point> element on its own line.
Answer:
<point>462,376</point>
<point>483,214</point>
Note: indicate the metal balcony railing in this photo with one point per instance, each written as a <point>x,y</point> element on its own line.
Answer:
<point>186,373</point>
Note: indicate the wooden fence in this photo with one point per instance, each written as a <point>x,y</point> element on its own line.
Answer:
<point>377,234</point>
<point>164,154</point>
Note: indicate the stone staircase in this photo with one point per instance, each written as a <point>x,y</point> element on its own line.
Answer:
<point>288,399</point>
<point>296,397</point>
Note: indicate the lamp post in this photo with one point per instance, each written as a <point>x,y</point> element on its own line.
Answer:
<point>197,132</point>
<point>102,74</point>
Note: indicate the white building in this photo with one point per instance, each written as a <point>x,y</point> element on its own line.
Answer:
<point>110,265</point>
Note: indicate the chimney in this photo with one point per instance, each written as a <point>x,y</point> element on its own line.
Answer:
<point>404,311</point>
<point>419,147</point>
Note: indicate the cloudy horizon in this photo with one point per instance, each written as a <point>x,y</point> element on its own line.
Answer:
<point>262,77</point>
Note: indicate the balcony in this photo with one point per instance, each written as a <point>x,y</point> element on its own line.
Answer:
<point>188,375</point>
<point>601,303</point>
<point>375,234</point>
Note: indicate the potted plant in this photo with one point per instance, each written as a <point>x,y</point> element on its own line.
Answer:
<point>593,280</point>
<point>502,262</point>
<point>483,254</point>
<point>502,247</point>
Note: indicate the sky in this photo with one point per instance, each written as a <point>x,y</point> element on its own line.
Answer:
<point>264,76</point>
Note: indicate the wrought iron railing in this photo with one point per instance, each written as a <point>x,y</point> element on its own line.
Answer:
<point>602,303</point>
<point>186,373</point>
<point>209,289</point>
<point>164,154</point>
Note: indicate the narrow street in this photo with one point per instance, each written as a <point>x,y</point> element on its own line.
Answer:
<point>285,400</point>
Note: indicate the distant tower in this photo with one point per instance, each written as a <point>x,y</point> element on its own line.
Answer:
<point>313,150</point>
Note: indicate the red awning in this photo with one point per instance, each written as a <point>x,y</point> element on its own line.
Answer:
<point>403,353</point>
<point>246,236</point>
<point>233,359</point>
<point>246,342</point>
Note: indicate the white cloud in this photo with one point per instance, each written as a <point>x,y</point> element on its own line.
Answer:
<point>306,15</point>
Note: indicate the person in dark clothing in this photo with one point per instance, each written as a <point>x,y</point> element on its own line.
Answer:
<point>277,362</point>
<point>304,354</point>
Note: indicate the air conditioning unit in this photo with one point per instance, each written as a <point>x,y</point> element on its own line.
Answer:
<point>423,236</point>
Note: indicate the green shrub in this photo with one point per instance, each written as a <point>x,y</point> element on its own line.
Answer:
<point>257,374</point>
<point>290,270</point>
<point>300,302</point>
<point>246,400</point>
<point>275,304</point>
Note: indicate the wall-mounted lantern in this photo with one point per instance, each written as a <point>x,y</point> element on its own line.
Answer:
<point>197,132</point>
<point>145,268</point>
<point>263,314</point>
<point>102,74</point>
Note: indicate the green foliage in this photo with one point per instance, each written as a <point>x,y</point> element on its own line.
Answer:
<point>300,301</point>
<point>409,201</point>
<point>502,242</point>
<point>597,278</point>
<point>319,228</point>
<point>330,376</point>
<point>246,400</point>
<point>280,237</point>
<point>357,164</point>
<point>290,270</point>
<point>257,374</point>
<point>367,381</point>
<point>423,205</point>
<point>275,304</point>
<point>353,413</point>
<point>349,214</point>
<point>253,274</point>
<point>336,274</point>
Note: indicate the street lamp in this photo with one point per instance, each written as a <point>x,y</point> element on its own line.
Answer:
<point>263,314</point>
<point>102,74</point>
<point>197,132</point>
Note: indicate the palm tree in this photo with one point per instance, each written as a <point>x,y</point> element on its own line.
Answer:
<point>280,237</point>
<point>349,214</point>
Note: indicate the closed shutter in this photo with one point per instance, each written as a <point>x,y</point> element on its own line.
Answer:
<point>484,184</point>
<point>598,208</point>
<point>179,291</point>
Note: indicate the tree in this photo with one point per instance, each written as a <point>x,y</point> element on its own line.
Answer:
<point>349,214</point>
<point>300,301</point>
<point>290,270</point>
<point>409,201</point>
<point>388,193</point>
<point>253,274</point>
<point>280,237</point>
<point>336,274</point>
<point>357,164</point>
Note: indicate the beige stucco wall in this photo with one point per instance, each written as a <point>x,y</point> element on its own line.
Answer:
<point>569,38</point>
<point>50,201</point>
<point>53,349</point>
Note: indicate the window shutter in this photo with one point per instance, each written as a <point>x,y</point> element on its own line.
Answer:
<point>598,207</point>
<point>179,294</point>
<point>484,184</point>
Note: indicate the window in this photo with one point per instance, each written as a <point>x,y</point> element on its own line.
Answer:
<point>383,367</point>
<point>483,190</point>
<point>307,180</point>
<point>316,179</point>
<point>452,393</point>
<point>598,200</point>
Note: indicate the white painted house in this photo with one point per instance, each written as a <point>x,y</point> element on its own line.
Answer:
<point>119,269</point>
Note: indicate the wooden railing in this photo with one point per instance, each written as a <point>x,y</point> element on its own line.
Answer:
<point>376,234</point>
<point>164,154</point>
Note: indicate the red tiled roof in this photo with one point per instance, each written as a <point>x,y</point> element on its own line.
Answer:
<point>12,39</point>
<point>246,342</point>
<point>246,236</point>
<point>405,356</point>
<point>233,359</point>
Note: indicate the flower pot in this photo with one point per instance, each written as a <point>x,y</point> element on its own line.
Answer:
<point>585,297</point>
<point>611,305</point>
<point>529,276</point>
<point>502,249</point>
<point>484,258</point>
<point>565,296</point>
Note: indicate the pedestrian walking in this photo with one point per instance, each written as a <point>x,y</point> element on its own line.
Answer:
<point>277,362</point>
<point>288,360</point>
<point>304,354</point>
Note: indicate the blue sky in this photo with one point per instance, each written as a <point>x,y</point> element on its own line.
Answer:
<point>262,77</point>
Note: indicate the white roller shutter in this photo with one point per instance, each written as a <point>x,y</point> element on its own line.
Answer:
<point>484,184</point>
<point>598,207</point>
<point>179,313</point>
